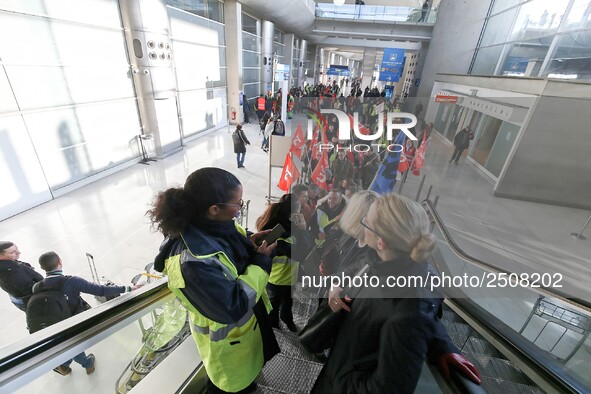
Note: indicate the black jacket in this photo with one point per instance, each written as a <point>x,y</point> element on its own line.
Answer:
<point>383,342</point>
<point>17,278</point>
<point>240,142</point>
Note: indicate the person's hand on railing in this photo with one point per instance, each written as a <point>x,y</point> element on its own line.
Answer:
<point>461,364</point>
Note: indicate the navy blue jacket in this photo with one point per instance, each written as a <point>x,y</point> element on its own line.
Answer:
<point>17,278</point>
<point>76,285</point>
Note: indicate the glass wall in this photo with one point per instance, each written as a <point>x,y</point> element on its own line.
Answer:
<point>536,38</point>
<point>251,58</point>
<point>201,85</point>
<point>209,9</point>
<point>67,104</point>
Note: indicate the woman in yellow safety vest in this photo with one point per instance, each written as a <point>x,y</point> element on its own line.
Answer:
<point>220,274</point>
<point>284,271</point>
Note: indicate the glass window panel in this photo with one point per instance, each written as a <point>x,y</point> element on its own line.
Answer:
<point>486,60</point>
<point>537,18</point>
<point>219,31</point>
<point>40,87</point>
<point>23,182</point>
<point>251,75</point>
<point>279,49</point>
<point>56,42</point>
<point>7,101</point>
<point>251,59</point>
<point>525,58</point>
<point>192,72</point>
<point>222,81</point>
<point>572,57</point>
<point>189,28</point>
<point>249,24</point>
<point>74,143</point>
<point>579,15</point>
<point>104,12</point>
<point>215,10</point>
<point>252,90</point>
<point>497,28</point>
<point>250,42</point>
<point>501,5</point>
<point>222,54</point>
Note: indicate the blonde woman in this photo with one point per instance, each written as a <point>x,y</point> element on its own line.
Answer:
<point>390,331</point>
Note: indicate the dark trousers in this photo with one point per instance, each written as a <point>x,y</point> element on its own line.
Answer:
<point>246,118</point>
<point>281,301</point>
<point>457,154</point>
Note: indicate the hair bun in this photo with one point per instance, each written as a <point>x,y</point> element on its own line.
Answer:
<point>423,248</point>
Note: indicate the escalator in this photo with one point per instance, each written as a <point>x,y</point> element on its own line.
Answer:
<point>522,340</point>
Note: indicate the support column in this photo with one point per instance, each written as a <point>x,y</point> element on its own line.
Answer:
<point>233,35</point>
<point>321,66</point>
<point>150,56</point>
<point>289,43</point>
<point>267,55</point>
<point>369,61</point>
<point>302,63</point>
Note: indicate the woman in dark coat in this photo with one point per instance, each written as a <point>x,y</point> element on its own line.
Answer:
<point>390,331</point>
<point>240,141</point>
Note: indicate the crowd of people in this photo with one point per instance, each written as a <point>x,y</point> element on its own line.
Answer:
<point>237,286</point>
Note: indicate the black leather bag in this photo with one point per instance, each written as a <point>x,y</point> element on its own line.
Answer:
<point>320,332</point>
<point>322,329</point>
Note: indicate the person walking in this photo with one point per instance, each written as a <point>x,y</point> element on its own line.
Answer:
<point>261,105</point>
<point>461,143</point>
<point>240,141</point>
<point>39,313</point>
<point>245,109</point>
<point>16,277</point>
<point>424,11</point>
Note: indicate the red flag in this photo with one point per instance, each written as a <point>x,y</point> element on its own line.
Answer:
<point>289,175</point>
<point>419,156</point>
<point>362,128</point>
<point>406,158</point>
<point>319,174</point>
<point>298,142</point>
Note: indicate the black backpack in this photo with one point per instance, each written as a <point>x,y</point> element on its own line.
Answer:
<point>48,304</point>
<point>236,138</point>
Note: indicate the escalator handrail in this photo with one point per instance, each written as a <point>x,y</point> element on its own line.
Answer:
<point>522,348</point>
<point>551,292</point>
<point>84,325</point>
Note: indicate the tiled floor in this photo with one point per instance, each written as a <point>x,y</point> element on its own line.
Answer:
<point>107,218</point>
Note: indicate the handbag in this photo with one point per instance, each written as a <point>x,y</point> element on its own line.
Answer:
<point>320,332</point>
<point>322,328</point>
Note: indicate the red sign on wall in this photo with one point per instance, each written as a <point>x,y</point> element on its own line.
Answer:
<point>441,98</point>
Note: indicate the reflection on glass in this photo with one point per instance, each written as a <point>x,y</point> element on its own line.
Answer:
<point>537,18</point>
<point>572,57</point>
<point>486,60</point>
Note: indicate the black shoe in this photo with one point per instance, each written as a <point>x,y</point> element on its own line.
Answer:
<point>457,163</point>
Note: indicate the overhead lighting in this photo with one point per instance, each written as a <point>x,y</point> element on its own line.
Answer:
<point>338,2</point>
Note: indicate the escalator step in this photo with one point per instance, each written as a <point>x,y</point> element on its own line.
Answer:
<point>458,332</point>
<point>291,347</point>
<point>285,374</point>
<point>480,347</point>
<point>495,368</point>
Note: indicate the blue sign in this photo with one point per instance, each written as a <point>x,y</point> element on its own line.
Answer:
<point>341,71</point>
<point>392,65</point>
<point>515,65</point>
<point>389,90</point>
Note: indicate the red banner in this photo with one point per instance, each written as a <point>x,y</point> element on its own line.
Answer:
<point>319,174</point>
<point>289,175</point>
<point>298,142</point>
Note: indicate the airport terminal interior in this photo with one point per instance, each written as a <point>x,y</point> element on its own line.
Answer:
<point>106,103</point>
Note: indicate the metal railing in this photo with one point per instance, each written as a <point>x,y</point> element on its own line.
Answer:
<point>375,13</point>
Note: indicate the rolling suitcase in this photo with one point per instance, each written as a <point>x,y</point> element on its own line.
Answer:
<point>96,279</point>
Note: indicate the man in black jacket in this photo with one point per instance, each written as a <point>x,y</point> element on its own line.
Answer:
<point>16,277</point>
<point>461,142</point>
<point>51,263</point>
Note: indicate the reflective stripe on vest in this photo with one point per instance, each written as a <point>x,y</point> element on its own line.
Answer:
<point>261,103</point>
<point>284,270</point>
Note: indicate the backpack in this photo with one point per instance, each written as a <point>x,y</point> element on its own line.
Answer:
<point>236,139</point>
<point>48,304</point>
